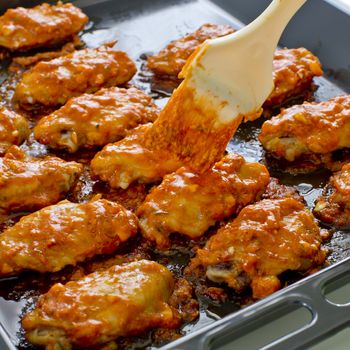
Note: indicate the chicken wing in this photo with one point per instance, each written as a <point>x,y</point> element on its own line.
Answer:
<point>189,203</point>
<point>309,128</point>
<point>124,300</point>
<point>293,71</point>
<point>43,25</point>
<point>64,234</point>
<point>266,239</point>
<point>14,129</point>
<point>54,82</point>
<point>128,160</point>
<point>333,207</point>
<point>170,60</point>
<point>95,120</point>
<point>28,183</point>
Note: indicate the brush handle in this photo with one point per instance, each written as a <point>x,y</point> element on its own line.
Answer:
<point>269,26</point>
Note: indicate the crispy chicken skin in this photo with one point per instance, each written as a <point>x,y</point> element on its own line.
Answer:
<point>317,127</point>
<point>293,71</point>
<point>124,300</point>
<point>14,129</point>
<point>266,239</point>
<point>128,160</point>
<point>64,234</point>
<point>333,207</point>
<point>43,25</point>
<point>170,60</point>
<point>95,120</point>
<point>28,184</point>
<point>54,82</point>
<point>189,203</point>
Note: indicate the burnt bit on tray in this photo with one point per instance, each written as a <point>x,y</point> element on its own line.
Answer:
<point>276,190</point>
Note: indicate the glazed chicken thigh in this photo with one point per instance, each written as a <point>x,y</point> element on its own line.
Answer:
<point>26,28</point>
<point>266,239</point>
<point>28,183</point>
<point>124,300</point>
<point>95,120</point>
<point>64,234</point>
<point>189,203</point>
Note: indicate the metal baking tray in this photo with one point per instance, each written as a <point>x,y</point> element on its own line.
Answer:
<point>143,26</point>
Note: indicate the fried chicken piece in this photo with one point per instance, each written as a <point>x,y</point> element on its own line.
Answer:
<point>43,25</point>
<point>64,234</point>
<point>293,71</point>
<point>28,183</point>
<point>171,59</point>
<point>95,120</point>
<point>266,239</point>
<point>189,203</point>
<point>125,300</point>
<point>333,207</point>
<point>128,160</point>
<point>54,82</point>
<point>317,127</point>
<point>14,129</point>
